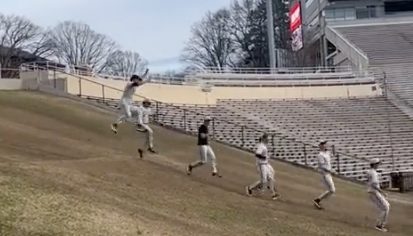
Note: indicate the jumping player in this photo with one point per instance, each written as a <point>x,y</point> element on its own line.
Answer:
<point>204,149</point>
<point>377,195</point>
<point>126,101</point>
<point>143,113</point>
<point>265,169</point>
<point>324,167</point>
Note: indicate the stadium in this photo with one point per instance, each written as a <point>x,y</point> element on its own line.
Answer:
<point>61,165</point>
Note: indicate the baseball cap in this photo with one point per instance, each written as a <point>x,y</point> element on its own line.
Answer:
<point>135,77</point>
<point>206,118</point>
<point>322,141</point>
<point>375,161</point>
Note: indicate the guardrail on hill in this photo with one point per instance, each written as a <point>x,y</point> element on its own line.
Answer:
<point>181,118</point>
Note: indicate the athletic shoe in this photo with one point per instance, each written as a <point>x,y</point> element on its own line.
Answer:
<point>317,204</point>
<point>140,153</point>
<point>248,190</point>
<point>275,196</point>
<point>114,128</point>
<point>381,228</point>
<point>189,169</point>
<point>216,174</point>
<point>151,150</point>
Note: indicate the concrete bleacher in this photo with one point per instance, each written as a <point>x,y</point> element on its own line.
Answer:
<point>283,77</point>
<point>240,123</point>
<point>358,126</point>
<point>389,47</point>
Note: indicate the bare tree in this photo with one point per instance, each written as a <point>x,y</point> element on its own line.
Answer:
<point>241,28</point>
<point>21,41</point>
<point>76,43</point>
<point>125,63</point>
<point>249,25</point>
<point>211,44</point>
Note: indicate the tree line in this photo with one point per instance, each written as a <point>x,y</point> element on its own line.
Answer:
<point>69,43</point>
<point>236,36</point>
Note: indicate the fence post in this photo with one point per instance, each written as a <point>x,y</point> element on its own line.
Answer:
<point>273,144</point>
<point>184,120</point>
<point>54,77</point>
<point>337,158</point>
<point>80,87</point>
<point>157,112</point>
<point>213,127</point>
<point>103,93</point>
<point>242,137</point>
<point>305,154</point>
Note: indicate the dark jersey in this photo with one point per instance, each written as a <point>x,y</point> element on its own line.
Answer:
<point>203,129</point>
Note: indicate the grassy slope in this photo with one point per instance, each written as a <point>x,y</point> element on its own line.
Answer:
<point>63,173</point>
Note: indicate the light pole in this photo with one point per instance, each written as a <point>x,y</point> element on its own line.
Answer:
<point>270,30</point>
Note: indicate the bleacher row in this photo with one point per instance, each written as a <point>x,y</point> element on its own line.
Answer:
<point>358,127</point>
<point>270,78</point>
<point>389,48</point>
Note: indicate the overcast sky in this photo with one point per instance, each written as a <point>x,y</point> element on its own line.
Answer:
<point>157,29</point>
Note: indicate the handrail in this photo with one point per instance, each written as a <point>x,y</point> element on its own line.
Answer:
<point>364,61</point>
<point>356,48</point>
<point>281,70</point>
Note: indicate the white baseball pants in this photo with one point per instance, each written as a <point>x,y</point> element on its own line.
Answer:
<point>206,151</point>
<point>127,111</point>
<point>148,135</point>
<point>266,178</point>
<point>327,180</point>
<point>382,204</point>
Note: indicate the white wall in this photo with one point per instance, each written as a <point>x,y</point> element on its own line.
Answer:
<point>10,84</point>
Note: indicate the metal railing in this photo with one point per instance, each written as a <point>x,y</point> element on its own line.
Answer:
<point>354,53</point>
<point>286,70</point>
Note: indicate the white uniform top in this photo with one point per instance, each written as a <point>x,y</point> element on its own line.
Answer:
<point>263,151</point>
<point>128,93</point>
<point>324,162</point>
<point>143,115</point>
<point>373,182</point>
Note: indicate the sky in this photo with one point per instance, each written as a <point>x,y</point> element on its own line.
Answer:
<point>156,29</point>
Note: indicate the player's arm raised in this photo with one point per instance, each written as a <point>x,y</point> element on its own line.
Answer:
<point>142,81</point>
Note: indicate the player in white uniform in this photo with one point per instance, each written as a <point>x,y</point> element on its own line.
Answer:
<point>142,122</point>
<point>265,169</point>
<point>377,195</point>
<point>126,102</point>
<point>324,167</point>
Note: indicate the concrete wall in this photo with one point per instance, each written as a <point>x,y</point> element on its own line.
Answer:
<point>193,95</point>
<point>10,84</point>
<point>185,94</point>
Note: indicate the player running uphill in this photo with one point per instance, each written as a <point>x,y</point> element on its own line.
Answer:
<point>324,167</point>
<point>265,169</point>
<point>126,101</point>
<point>204,149</point>
<point>377,195</point>
<point>143,113</point>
